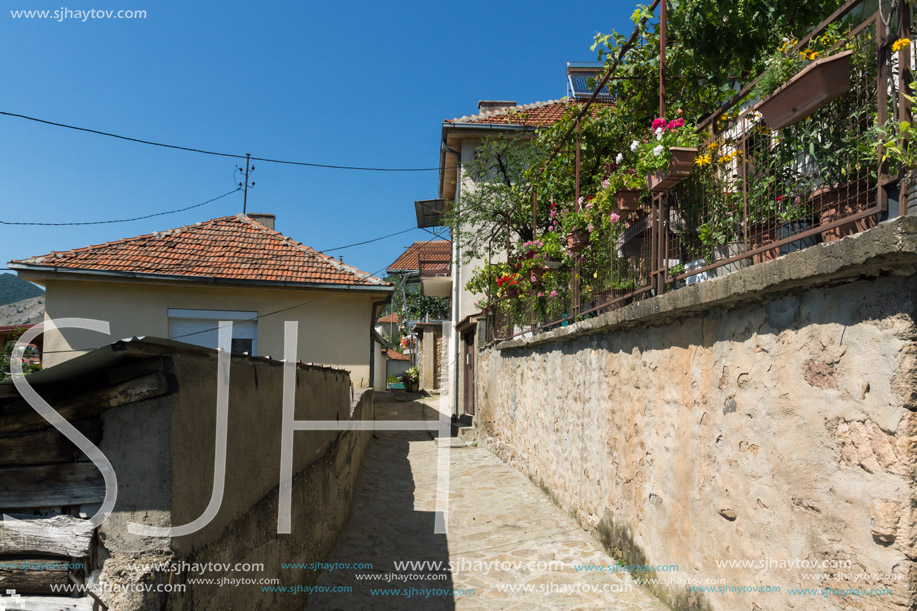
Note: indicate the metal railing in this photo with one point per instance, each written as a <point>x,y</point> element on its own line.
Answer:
<point>754,194</point>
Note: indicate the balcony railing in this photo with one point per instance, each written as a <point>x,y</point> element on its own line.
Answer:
<point>755,193</point>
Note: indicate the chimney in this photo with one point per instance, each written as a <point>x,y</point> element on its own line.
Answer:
<point>262,217</point>
<point>492,105</point>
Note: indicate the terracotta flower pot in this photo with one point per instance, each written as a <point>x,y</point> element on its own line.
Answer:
<point>679,167</point>
<point>813,87</point>
<point>762,234</point>
<point>835,203</point>
<point>627,200</point>
<point>577,241</point>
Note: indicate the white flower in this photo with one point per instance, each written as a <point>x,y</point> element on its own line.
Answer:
<point>619,158</point>
<point>634,145</point>
<point>658,150</point>
<point>659,131</point>
<point>659,136</point>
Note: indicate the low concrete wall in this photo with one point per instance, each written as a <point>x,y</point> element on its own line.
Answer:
<point>764,417</point>
<point>163,452</point>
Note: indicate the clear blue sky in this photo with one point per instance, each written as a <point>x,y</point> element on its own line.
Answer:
<point>346,83</point>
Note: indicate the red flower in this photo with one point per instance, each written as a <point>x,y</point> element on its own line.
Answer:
<point>675,124</point>
<point>657,123</point>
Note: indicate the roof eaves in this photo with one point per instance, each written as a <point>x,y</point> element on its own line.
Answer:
<point>375,286</point>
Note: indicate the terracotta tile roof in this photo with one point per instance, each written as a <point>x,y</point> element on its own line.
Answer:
<point>538,114</point>
<point>436,250</point>
<point>395,355</point>
<point>393,317</point>
<point>231,247</point>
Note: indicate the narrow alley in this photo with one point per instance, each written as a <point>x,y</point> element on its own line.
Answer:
<point>496,515</point>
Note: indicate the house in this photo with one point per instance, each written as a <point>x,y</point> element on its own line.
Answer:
<point>179,284</point>
<point>460,138</point>
<point>396,363</point>
<point>428,263</point>
<point>388,325</point>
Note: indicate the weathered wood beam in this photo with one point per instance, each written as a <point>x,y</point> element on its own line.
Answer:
<point>51,486</point>
<point>46,447</point>
<point>33,575</point>
<point>48,603</point>
<point>90,404</point>
<point>72,537</point>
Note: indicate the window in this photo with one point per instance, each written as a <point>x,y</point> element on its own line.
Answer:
<point>201,328</point>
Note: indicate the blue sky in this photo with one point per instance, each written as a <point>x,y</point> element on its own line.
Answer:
<point>365,84</point>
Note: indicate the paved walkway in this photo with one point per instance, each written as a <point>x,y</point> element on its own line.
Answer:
<point>496,515</point>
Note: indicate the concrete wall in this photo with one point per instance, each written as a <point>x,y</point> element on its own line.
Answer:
<point>163,451</point>
<point>765,416</point>
<point>334,327</point>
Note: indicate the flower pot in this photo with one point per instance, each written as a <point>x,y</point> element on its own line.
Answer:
<point>511,292</point>
<point>679,167</point>
<point>791,228</point>
<point>813,87</point>
<point>835,203</point>
<point>577,241</point>
<point>627,200</point>
<point>549,266</point>
<point>726,251</point>
<point>762,234</point>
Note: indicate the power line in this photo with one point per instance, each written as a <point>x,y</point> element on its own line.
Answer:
<point>215,153</point>
<point>368,241</point>
<point>139,218</point>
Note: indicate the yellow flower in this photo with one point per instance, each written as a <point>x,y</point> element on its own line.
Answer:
<point>900,44</point>
<point>595,275</point>
<point>713,146</point>
<point>703,160</point>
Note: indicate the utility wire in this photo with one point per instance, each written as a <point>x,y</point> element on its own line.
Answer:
<point>215,153</point>
<point>139,218</point>
<point>368,241</point>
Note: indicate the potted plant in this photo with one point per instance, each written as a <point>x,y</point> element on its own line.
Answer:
<point>795,217</point>
<point>411,379</point>
<point>796,83</point>
<point>899,142</point>
<point>667,155</point>
<point>621,190</point>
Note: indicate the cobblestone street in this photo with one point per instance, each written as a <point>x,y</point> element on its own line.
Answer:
<point>495,515</point>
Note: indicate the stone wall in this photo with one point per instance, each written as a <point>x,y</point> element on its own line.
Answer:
<point>768,416</point>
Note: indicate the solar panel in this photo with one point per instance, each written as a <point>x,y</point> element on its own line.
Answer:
<point>578,76</point>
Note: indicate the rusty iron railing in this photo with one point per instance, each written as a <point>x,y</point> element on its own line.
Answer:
<point>755,194</point>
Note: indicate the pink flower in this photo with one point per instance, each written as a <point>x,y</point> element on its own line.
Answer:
<point>589,206</point>
<point>553,213</point>
<point>675,124</point>
<point>590,228</point>
<point>550,227</point>
<point>553,293</point>
<point>657,123</point>
<point>534,279</point>
<point>540,294</point>
<point>605,183</point>
<point>613,217</point>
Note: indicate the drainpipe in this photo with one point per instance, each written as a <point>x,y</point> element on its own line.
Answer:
<point>372,341</point>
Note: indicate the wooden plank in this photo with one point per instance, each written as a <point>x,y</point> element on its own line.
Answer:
<point>46,447</point>
<point>51,486</point>
<point>47,603</point>
<point>72,537</point>
<point>33,575</point>
<point>89,404</point>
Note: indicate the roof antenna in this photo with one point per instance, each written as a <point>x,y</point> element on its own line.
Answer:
<point>245,184</point>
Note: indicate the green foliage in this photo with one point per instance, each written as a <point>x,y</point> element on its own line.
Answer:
<point>422,307</point>
<point>13,289</point>
<point>898,139</point>
<point>788,61</point>
<point>30,361</point>
<point>654,151</point>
